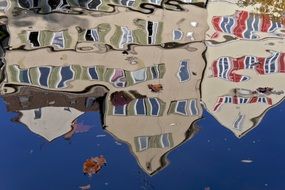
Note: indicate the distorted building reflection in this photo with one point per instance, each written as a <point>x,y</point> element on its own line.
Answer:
<point>50,114</point>
<point>151,121</point>
<point>109,6</point>
<point>151,65</point>
<point>242,79</point>
<point>99,33</point>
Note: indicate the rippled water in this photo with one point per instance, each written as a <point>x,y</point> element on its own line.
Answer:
<point>147,85</point>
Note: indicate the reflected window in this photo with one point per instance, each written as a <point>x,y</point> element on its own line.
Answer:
<point>240,100</point>
<point>228,99</point>
<point>58,39</point>
<point>38,113</point>
<point>127,37</point>
<point>155,71</point>
<point>140,107</point>
<point>165,140</point>
<point>34,39</point>
<point>44,75</point>
<point>92,35</point>
<point>59,4</point>
<point>185,107</point>
<point>94,4</point>
<point>128,3</point>
<point>183,73</point>
<point>239,122</point>
<point>246,29</point>
<point>139,75</point>
<point>157,2</point>
<point>154,106</point>
<point>120,110</point>
<point>243,100</point>
<point>272,63</point>
<point>224,65</point>
<point>26,4</point>
<point>67,75</point>
<point>152,28</point>
<point>177,35</point>
<point>24,76</point>
<point>118,78</point>
<point>156,141</point>
<point>262,100</point>
<point>92,71</point>
<point>250,61</point>
<point>142,143</point>
<point>193,108</point>
<point>181,107</point>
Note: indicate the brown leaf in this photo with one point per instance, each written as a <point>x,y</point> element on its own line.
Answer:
<point>93,165</point>
<point>155,87</point>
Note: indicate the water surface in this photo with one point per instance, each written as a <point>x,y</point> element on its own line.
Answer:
<point>173,94</point>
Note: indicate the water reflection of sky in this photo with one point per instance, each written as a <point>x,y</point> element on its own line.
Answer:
<point>212,159</point>
<point>132,90</point>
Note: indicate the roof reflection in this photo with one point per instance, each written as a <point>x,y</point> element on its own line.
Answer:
<point>242,78</point>
<point>50,114</point>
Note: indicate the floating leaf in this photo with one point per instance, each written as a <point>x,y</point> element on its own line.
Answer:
<point>155,87</point>
<point>93,165</point>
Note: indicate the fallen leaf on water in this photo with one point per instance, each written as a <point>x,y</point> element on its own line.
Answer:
<point>155,87</point>
<point>94,165</point>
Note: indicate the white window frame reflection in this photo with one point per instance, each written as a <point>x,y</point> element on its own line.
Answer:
<point>140,143</point>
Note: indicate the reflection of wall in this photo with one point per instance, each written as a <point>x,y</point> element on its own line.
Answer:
<point>154,123</point>
<point>234,73</point>
<point>63,31</point>
<point>49,122</point>
<point>74,6</point>
<point>49,113</point>
<point>235,22</point>
<point>162,119</point>
<point>59,77</point>
<point>113,68</point>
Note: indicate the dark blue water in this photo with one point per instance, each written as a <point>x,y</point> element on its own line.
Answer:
<point>71,55</point>
<point>211,160</point>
